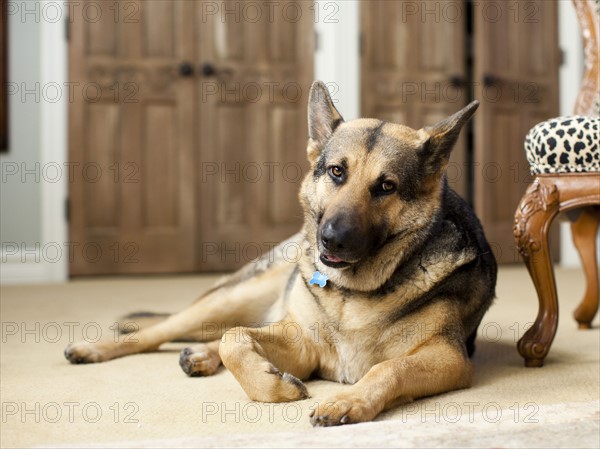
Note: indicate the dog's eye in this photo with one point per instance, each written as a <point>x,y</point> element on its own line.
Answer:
<point>388,187</point>
<point>336,171</point>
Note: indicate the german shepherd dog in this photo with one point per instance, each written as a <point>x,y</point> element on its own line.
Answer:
<point>394,277</point>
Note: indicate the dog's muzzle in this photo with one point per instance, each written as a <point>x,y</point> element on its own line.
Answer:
<point>341,241</point>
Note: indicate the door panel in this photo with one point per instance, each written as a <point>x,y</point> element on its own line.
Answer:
<point>412,70</point>
<point>252,132</point>
<point>132,208</point>
<point>415,60</point>
<point>189,159</point>
<point>516,74</point>
<point>283,125</point>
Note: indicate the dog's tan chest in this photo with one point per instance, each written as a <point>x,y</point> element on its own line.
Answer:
<point>349,360</point>
<point>343,335</point>
<point>354,334</point>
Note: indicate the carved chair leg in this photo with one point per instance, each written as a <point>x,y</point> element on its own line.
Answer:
<point>534,215</point>
<point>584,231</point>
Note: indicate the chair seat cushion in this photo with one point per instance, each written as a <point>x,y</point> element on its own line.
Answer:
<point>564,145</point>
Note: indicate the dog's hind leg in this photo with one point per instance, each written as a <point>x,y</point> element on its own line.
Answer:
<point>133,322</point>
<point>240,301</point>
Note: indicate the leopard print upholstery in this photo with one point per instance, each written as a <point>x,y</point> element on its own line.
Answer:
<point>564,145</point>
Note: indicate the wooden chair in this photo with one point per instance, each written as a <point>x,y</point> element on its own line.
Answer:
<point>564,155</point>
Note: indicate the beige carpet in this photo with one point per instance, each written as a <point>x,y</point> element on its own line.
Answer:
<point>147,401</point>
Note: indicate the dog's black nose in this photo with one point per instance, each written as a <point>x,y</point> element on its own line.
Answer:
<point>336,235</point>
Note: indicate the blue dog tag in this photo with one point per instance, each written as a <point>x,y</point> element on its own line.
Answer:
<point>319,278</point>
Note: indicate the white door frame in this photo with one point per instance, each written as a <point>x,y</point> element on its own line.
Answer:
<point>337,57</point>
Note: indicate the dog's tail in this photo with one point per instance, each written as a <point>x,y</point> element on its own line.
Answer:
<point>133,322</point>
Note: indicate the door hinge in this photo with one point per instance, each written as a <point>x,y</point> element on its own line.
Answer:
<point>67,210</point>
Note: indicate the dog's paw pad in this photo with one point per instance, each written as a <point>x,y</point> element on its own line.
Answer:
<point>201,362</point>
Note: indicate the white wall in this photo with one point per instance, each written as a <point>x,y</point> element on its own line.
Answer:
<point>20,195</point>
<point>33,227</point>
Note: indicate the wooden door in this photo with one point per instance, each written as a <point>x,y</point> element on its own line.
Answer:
<point>256,73</point>
<point>187,132</point>
<point>131,141</point>
<point>413,67</point>
<point>516,80</point>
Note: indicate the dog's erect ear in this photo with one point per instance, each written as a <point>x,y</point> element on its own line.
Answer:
<point>323,119</point>
<point>443,136</point>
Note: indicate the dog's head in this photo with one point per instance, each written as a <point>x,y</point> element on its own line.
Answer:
<point>373,189</point>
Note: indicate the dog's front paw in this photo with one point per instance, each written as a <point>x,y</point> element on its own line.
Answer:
<point>83,352</point>
<point>199,360</point>
<point>342,409</point>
